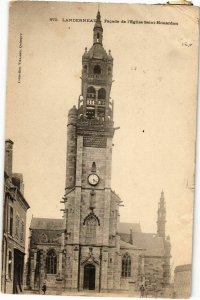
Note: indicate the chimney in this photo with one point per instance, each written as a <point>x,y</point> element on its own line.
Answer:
<point>8,157</point>
<point>17,180</point>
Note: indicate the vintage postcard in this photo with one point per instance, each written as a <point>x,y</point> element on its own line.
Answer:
<point>100,149</point>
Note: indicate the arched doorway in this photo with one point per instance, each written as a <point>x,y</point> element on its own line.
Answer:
<point>89,277</point>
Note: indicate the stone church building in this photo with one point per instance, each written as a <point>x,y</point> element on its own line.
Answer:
<point>89,249</point>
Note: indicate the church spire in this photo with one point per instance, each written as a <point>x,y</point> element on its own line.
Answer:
<point>161,216</point>
<point>98,30</point>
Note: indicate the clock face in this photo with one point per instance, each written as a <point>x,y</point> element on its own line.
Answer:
<point>93,179</point>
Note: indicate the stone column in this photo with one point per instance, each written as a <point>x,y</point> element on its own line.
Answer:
<point>75,269</point>
<point>42,267</point>
<point>104,269</point>
<point>117,281</point>
<point>142,270</point>
<point>60,263</point>
<point>33,267</point>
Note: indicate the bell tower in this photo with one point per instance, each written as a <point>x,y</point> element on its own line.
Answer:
<point>91,207</point>
<point>97,67</point>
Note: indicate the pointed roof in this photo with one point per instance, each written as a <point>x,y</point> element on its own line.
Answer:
<point>162,201</point>
<point>98,21</point>
<point>162,195</point>
<point>97,51</point>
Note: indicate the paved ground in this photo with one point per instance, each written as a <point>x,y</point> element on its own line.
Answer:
<point>86,293</point>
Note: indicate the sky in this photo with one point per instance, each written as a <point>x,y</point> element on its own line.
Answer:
<point>154,90</point>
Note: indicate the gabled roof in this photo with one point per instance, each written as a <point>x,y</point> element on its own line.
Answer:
<point>127,227</point>
<point>153,245</point>
<point>47,224</point>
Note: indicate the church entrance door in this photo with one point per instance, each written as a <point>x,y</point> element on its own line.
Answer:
<point>89,277</point>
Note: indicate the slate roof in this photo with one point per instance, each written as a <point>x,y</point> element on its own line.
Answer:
<point>47,224</point>
<point>126,227</point>
<point>126,237</point>
<point>124,245</point>
<point>182,268</point>
<point>153,245</point>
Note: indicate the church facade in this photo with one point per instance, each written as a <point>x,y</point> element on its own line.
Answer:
<point>89,249</point>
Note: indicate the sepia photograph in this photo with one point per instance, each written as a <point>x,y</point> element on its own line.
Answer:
<point>100,137</point>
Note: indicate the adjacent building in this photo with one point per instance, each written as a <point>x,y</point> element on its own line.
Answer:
<point>183,281</point>
<point>15,208</point>
<point>89,249</point>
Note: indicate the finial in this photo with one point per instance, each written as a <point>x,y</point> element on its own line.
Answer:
<point>85,49</point>
<point>98,17</point>
<point>98,12</point>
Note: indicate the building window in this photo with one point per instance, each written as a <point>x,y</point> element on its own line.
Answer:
<point>126,265</point>
<point>102,94</point>
<point>9,265</point>
<point>51,262</point>
<point>17,227</point>
<point>22,232</point>
<point>91,92</point>
<point>97,69</point>
<point>11,221</point>
<point>91,224</point>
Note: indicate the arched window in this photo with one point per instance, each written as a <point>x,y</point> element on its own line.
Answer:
<point>51,262</point>
<point>91,224</point>
<point>91,92</point>
<point>126,265</point>
<point>85,68</point>
<point>97,69</point>
<point>102,94</point>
